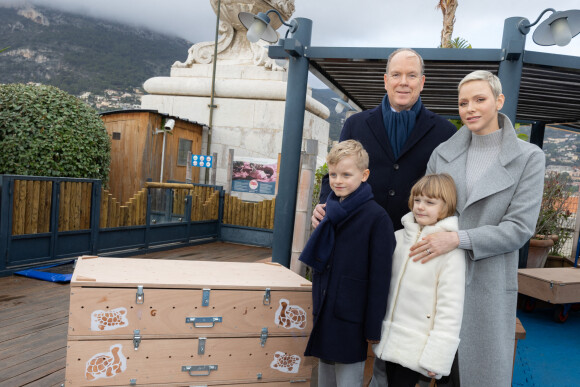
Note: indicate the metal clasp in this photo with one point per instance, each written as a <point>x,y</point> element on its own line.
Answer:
<point>136,338</point>
<point>205,297</point>
<point>140,297</point>
<point>201,346</point>
<point>266,297</point>
<point>264,336</point>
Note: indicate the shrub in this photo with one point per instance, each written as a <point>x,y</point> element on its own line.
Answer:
<point>46,132</point>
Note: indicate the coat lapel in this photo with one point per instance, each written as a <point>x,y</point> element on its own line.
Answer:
<point>377,128</point>
<point>495,179</point>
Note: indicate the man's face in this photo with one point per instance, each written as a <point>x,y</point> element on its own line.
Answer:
<point>403,80</point>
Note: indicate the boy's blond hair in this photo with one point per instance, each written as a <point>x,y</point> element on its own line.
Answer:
<point>346,149</point>
<point>437,186</point>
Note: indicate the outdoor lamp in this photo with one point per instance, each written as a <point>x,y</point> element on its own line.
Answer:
<point>558,29</point>
<point>259,26</point>
<point>341,105</point>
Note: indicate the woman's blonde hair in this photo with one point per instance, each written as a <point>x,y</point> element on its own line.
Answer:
<point>437,186</point>
<point>483,75</point>
<point>346,149</point>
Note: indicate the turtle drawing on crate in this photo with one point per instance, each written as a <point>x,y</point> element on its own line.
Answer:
<point>290,316</point>
<point>106,364</point>
<point>109,320</point>
<point>286,363</point>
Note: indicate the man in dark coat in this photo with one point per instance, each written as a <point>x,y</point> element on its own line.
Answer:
<point>399,136</point>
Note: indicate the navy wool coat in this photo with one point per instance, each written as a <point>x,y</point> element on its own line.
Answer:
<point>350,296</point>
<point>391,179</point>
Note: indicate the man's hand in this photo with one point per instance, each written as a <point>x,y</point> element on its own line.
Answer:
<point>318,214</point>
<point>434,245</point>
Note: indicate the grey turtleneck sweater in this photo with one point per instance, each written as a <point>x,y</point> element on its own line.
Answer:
<point>483,149</point>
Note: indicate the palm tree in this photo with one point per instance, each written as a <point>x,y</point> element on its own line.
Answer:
<point>459,42</point>
<point>448,8</point>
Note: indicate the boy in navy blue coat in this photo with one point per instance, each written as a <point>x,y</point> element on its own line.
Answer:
<point>350,253</point>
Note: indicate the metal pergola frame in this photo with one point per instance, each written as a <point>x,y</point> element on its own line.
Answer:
<point>540,88</point>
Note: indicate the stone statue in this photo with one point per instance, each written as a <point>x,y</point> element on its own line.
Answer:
<point>233,46</point>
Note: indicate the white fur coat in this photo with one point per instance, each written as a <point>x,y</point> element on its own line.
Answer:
<point>421,328</point>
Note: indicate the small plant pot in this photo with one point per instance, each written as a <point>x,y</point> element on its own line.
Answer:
<point>538,252</point>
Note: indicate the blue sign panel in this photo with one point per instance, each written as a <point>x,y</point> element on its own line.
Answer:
<point>201,161</point>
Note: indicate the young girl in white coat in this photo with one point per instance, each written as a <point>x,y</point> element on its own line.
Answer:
<point>420,332</point>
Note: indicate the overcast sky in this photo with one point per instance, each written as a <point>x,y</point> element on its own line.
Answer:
<point>341,23</point>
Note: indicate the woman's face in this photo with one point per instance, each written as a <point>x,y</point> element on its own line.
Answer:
<point>478,107</point>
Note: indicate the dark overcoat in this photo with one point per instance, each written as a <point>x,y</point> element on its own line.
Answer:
<point>391,179</point>
<point>350,296</point>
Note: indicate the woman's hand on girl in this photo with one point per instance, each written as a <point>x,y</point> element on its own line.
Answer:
<point>434,245</point>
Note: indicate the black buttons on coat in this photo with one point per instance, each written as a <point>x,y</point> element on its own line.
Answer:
<point>391,192</point>
<point>395,167</point>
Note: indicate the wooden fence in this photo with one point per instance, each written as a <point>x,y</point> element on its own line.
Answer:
<point>33,203</point>
<point>259,215</point>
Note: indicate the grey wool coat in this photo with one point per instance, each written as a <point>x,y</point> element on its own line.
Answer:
<point>500,216</point>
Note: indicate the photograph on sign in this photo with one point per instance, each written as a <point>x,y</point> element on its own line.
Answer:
<point>254,175</point>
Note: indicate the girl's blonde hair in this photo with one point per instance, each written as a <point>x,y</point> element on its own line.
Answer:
<point>346,149</point>
<point>437,186</point>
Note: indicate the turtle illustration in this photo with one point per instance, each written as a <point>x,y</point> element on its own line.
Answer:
<point>109,320</point>
<point>107,364</point>
<point>290,316</point>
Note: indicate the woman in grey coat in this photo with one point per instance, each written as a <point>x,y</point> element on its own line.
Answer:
<point>499,182</point>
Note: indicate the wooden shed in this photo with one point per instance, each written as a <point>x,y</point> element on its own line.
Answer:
<point>137,149</point>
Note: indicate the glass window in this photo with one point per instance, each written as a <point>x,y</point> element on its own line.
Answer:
<point>184,147</point>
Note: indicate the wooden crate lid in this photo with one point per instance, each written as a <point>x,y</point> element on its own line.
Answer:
<point>159,273</point>
<point>555,275</point>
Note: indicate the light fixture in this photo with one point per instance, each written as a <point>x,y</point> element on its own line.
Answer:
<point>558,29</point>
<point>259,26</point>
<point>341,105</point>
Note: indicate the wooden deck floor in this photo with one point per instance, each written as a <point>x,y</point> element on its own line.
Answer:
<point>34,316</point>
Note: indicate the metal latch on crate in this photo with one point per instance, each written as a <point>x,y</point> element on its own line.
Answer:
<point>140,296</point>
<point>133,382</point>
<point>264,336</point>
<point>136,338</point>
<point>201,346</point>
<point>205,297</point>
<point>209,321</point>
<point>206,369</point>
<point>267,297</point>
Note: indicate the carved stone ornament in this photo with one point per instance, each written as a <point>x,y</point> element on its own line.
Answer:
<point>233,46</point>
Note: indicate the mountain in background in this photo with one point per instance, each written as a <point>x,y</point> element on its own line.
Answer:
<point>80,54</point>
<point>102,62</point>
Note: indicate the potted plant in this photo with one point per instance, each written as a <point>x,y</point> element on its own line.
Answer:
<point>551,230</point>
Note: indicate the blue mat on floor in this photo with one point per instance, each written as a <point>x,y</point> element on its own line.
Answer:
<point>37,273</point>
<point>549,354</point>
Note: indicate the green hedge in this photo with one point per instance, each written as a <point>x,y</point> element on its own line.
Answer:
<point>46,132</point>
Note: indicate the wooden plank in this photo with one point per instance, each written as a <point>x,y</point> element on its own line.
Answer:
<point>75,211</point>
<point>164,312</point>
<point>30,370</point>
<point>44,210</point>
<point>19,207</point>
<point>34,207</point>
<point>104,209</point>
<point>28,206</point>
<point>155,273</point>
<point>554,285</point>
<point>65,205</point>
<point>85,215</point>
<point>161,361</point>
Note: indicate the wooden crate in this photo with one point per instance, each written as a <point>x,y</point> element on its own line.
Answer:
<point>166,322</point>
<point>554,285</point>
